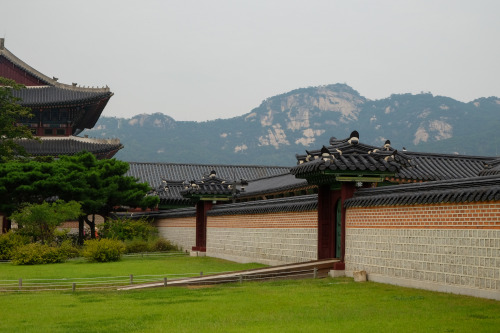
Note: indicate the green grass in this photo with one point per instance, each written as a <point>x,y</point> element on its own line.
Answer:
<point>331,305</point>
<point>128,265</point>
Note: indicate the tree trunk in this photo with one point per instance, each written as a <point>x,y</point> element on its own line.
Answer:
<point>81,225</point>
<point>91,225</point>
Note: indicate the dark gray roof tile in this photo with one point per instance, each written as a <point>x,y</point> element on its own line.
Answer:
<point>57,146</point>
<point>456,190</point>
<point>292,204</point>
<point>55,96</point>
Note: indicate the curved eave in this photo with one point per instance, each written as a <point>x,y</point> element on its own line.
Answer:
<point>4,52</point>
<point>434,192</point>
<point>294,204</point>
<point>25,67</point>
<point>80,101</point>
<point>68,147</point>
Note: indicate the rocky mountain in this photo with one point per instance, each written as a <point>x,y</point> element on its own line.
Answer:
<point>306,118</point>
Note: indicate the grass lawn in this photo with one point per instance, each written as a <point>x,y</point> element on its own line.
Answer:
<point>128,265</point>
<point>332,305</point>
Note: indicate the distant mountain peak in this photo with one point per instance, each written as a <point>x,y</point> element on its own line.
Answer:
<point>305,118</point>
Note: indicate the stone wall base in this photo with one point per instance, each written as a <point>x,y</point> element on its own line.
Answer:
<point>197,253</point>
<point>459,290</point>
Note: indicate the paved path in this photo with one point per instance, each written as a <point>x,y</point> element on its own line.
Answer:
<point>290,271</point>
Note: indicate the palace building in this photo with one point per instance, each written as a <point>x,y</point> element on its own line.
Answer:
<point>415,219</point>
<point>60,111</point>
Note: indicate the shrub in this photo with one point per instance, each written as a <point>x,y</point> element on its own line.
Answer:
<point>103,250</point>
<point>136,246</point>
<point>9,242</point>
<point>69,250</point>
<point>41,220</point>
<point>36,253</point>
<point>128,229</point>
<point>161,244</point>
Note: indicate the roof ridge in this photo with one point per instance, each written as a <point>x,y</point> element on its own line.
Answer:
<point>213,165</point>
<point>447,184</point>
<point>49,81</point>
<point>412,153</point>
<point>271,176</point>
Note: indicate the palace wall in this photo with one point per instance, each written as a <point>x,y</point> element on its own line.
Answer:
<point>444,247</point>
<point>273,239</point>
<point>449,247</point>
<point>181,231</point>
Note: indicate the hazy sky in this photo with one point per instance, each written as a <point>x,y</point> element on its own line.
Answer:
<point>202,60</point>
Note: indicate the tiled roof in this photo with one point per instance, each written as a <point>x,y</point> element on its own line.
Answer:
<point>5,53</point>
<point>273,184</point>
<point>210,185</point>
<point>456,190</point>
<point>58,96</point>
<point>172,175</point>
<point>292,204</point>
<point>491,168</point>
<point>427,166</point>
<point>50,93</point>
<point>180,212</point>
<point>170,192</point>
<point>350,155</point>
<point>153,173</point>
<point>57,146</point>
<point>159,214</point>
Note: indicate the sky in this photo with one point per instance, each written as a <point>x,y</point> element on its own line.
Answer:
<point>204,60</point>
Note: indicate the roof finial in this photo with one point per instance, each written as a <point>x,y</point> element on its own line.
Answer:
<point>354,138</point>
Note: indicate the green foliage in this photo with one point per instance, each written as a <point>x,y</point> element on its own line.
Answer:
<point>99,185</point>
<point>103,250</point>
<point>128,229</point>
<point>9,242</point>
<point>36,253</point>
<point>136,246</point>
<point>40,221</point>
<point>339,305</point>
<point>162,245</point>
<point>69,250</point>
<point>11,113</point>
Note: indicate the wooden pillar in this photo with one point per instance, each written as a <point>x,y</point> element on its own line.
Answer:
<point>347,191</point>
<point>5,224</point>
<point>202,207</point>
<point>327,199</point>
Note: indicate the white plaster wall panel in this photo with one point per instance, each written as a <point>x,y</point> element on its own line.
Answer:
<point>263,245</point>
<point>465,258</point>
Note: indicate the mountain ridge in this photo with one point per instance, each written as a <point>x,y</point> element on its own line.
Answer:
<point>305,118</point>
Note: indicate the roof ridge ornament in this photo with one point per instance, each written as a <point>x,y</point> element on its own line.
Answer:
<point>353,138</point>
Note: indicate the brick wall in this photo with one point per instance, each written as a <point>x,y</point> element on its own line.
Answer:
<point>276,238</point>
<point>446,247</point>
<point>181,231</point>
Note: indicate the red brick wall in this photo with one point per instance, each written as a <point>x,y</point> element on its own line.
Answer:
<point>274,220</point>
<point>176,222</point>
<point>477,215</point>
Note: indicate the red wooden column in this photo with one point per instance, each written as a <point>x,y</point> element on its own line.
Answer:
<point>5,224</point>
<point>346,191</point>
<point>326,221</point>
<point>202,207</point>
